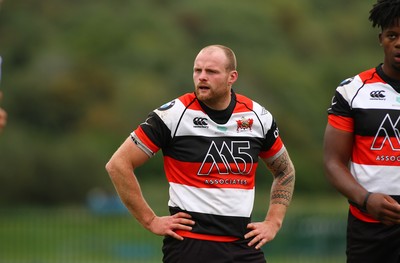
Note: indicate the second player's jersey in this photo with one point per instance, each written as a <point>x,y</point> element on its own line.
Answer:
<point>210,160</point>
<point>369,106</point>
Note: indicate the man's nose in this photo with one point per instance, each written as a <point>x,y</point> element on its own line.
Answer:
<point>397,44</point>
<point>203,75</point>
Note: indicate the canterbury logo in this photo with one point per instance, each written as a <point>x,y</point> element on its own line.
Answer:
<point>388,129</point>
<point>199,121</point>
<point>377,94</point>
<point>228,159</point>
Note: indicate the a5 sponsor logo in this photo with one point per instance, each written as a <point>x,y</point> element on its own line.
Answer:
<point>387,135</point>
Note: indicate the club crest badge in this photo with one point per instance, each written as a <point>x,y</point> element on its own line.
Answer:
<point>244,124</point>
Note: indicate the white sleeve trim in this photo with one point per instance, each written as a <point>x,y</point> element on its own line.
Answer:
<point>141,145</point>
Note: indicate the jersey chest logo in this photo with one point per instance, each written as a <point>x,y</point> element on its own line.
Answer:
<point>244,124</point>
<point>227,159</point>
<point>388,133</point>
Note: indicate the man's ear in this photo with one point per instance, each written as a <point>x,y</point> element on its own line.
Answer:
<point>233,76</point>
<point>380,39</point>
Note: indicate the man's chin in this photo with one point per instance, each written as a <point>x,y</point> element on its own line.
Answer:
<point>202,95</point>
<point>396,66</point>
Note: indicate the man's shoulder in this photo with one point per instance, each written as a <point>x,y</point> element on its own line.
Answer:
<point>248,102</point>
<point>244,100</point>
<point>184,100</point>
<point>369,75</point>
<point>187,98</point>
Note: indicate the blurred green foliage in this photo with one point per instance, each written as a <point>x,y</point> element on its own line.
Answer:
<point>78,76</point>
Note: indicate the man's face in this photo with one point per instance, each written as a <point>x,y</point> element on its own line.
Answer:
<point>390,41</point>
<point>212,80</point>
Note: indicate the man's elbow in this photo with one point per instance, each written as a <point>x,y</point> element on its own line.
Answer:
<point>111,167</point>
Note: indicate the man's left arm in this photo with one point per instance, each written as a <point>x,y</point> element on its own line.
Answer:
<point>281,195</point>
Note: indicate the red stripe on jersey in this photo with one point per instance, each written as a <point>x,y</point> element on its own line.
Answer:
<point>341,123</point>
<point>363,152</point>
<point>143,137</point>
<point>244,105</point>
<point>186,173</point>
<point>187,98</point>
<point>276,147</point>
<point>362,216</point>
<point>188,234</point>
<point>366,75</point>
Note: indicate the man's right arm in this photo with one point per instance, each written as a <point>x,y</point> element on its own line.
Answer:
<point>121,171</point>
<point>337,152</point>
<point>338,145</point>
<point>121,168</point>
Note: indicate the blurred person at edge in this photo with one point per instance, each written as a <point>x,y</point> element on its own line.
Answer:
<point>211,140</point>
<point>362,144</point>
<point>3,113</point>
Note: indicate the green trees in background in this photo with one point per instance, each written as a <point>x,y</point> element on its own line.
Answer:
<point>78,76</point>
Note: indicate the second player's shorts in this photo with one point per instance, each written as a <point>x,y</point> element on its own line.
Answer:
<point>372,242</point>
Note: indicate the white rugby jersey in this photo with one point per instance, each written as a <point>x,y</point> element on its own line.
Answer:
<point>369,106</point>
<point>210,160</point>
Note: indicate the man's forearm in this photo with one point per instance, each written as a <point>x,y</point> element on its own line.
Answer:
<point>129,191</point>
<point>282,188</point>
<point>284,179</point>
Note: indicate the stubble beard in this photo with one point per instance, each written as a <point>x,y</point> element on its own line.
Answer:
<point>212,99</point>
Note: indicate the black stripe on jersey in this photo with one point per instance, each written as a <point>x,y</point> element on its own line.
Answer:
<point>270,137</point>
<point>215,224</point>
<point>339,106</point>
<point>156,130</point>
<point>195,148</point>
<point>374,120</point>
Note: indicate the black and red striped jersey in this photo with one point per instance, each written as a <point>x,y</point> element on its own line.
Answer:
<point>368,105</point>
<point>210,159</point>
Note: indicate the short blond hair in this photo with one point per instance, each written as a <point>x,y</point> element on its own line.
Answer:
<point>230,55</point>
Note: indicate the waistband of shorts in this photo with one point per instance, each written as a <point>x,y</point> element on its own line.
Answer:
<point>207,237</point>
<point>363,215</point>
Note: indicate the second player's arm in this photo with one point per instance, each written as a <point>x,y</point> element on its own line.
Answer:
<point>338,146</point>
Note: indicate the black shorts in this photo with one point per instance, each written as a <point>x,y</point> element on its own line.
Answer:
<point>372,242</point>
<point>201,251</point>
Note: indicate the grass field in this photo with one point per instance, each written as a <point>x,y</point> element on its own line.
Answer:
<point>314,231</point>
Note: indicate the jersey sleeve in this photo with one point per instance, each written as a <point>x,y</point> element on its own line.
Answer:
<point>273,144</point>
<point>340,114</point>
<point>151,135</point>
